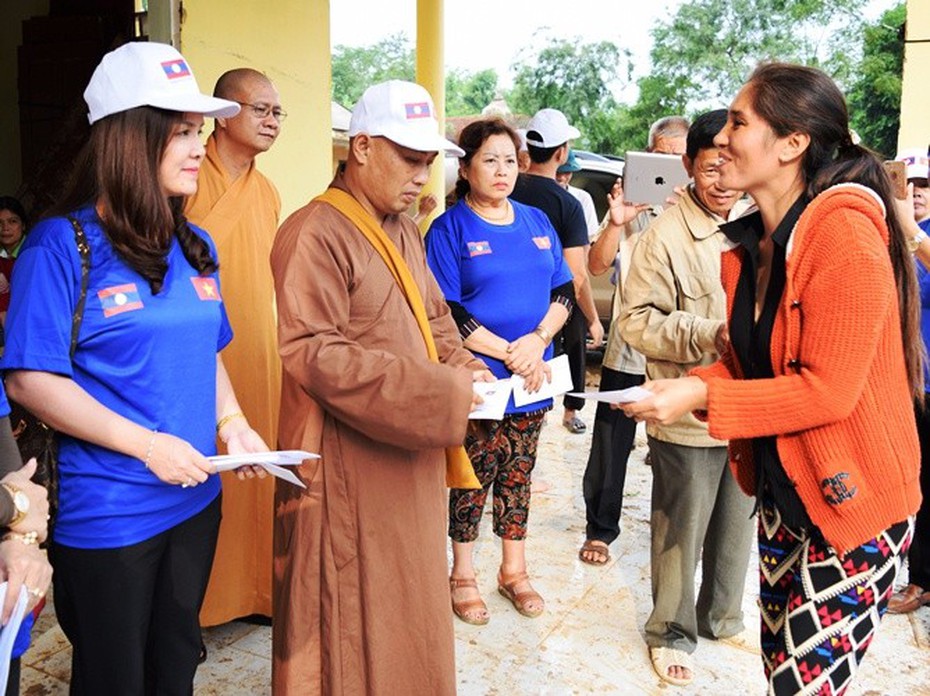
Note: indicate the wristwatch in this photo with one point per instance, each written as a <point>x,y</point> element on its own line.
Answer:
<point>20,503</point>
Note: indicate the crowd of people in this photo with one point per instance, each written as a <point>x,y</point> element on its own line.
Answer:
<point>773,309</point>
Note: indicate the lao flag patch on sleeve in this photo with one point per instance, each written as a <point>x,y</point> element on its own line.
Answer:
<point>175,69</point>
<point>206,288</point>
<point>478,248</point>
<point>542,242</point>
<point>417,110</point>
<point>119,298</point>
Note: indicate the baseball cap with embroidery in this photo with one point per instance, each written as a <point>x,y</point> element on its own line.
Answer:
<point>549,128</point>
<point>917,162</point>
<point>149,74</point>
<point>403,113</point>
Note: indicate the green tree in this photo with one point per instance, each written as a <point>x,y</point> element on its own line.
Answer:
<point>875,93</point>
<point>357,68</point>
<point>709,47</point>
<point>468,93</point>
<point>577,79</point>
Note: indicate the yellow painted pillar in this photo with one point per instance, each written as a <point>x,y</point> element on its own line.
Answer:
<point>915,98</point>
<point>431,74</point>
<point>289,41</point>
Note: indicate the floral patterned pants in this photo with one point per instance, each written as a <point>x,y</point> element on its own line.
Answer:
<point>503,454</point>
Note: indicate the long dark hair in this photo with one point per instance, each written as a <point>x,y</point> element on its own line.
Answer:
<point>799,99</point>
<point>472,137</point>
<point>119,167</point>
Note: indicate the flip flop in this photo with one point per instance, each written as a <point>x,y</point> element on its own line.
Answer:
<point>596,547</point>
<point>663,658</point>
<point>575,425</point>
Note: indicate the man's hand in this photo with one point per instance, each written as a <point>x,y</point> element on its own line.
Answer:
<point>596,330</point>
<point>620,211</point>
<point>722,339</point>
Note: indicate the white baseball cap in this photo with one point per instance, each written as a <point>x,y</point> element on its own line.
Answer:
<point>917,162</point>
<point>403,113</point>
<point>149,74</point>
<point>552,128</point>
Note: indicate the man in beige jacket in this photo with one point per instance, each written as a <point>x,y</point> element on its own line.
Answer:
<point>675,315</point>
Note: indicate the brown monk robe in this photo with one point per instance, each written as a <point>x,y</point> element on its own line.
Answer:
<point>361,575</point>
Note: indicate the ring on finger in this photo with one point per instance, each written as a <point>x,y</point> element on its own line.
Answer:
<point>35,592</point>
<point>190,483</point>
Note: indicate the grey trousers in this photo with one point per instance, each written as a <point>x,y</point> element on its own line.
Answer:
<point>700,514</point>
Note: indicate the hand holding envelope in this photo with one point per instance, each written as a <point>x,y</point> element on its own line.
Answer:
<point>272,462</point>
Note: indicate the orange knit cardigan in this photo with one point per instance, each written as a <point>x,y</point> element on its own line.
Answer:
<point>839,404</point>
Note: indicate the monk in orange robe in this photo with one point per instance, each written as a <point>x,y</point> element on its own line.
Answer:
<point>240,207</point>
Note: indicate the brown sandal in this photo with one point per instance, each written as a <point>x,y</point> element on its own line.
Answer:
<point>506,585</point>
<point>598,549</point>
<point>463,608</point>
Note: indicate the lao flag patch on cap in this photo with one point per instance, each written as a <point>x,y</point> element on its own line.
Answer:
<point>478,248</point>
<point>175,69</point>
<point>119,298</point>
<point>206,288</point>
<point>417,110</point>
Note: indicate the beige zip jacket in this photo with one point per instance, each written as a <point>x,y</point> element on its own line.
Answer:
<point>675,304</point>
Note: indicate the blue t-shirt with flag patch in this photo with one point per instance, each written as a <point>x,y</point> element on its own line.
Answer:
<point>502,274</point>
<point>150,358</point>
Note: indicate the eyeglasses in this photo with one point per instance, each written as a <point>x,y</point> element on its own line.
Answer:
<point>264,111</point>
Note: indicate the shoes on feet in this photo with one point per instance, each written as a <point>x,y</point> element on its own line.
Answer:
<point>471,611</point>
<point>507,586</point>
<point>574,425</point>
<point>594,552</point>
<point>665,658</point>
<point>909,599</point>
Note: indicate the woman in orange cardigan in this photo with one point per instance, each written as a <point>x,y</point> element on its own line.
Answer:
<point>815,385</point>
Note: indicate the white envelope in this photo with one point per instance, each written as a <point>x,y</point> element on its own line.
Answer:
<point>272,462</point>
<point>8,632</point>
<point>496,395</point>
<point>617,396</point>
<point>561,382</point>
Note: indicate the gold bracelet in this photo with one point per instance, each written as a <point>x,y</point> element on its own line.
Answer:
<point>543,334</point>
<point>27,539</point>
<point>225,419</point>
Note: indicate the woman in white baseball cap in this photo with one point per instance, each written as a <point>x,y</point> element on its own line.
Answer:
<point>114,329</point>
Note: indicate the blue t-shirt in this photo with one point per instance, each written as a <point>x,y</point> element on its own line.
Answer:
<point>150,358</point>
<point>502,274</point>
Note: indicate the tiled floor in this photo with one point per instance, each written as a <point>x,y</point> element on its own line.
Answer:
<point>589,641</point>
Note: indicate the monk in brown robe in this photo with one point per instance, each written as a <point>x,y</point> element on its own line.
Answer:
<point>241,207</point>
<point>361,601</point>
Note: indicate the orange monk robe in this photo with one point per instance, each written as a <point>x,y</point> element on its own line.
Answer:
<point>242,218</point>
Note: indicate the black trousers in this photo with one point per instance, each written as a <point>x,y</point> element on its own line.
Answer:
<point>918,558</point>
<point>574,334</point>
<point>131,613</point>
<point>605,474</point>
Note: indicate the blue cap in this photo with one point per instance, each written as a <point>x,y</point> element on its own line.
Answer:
<point>571,164</point>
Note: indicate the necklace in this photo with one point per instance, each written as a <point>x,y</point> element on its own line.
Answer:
<point>504,218</point>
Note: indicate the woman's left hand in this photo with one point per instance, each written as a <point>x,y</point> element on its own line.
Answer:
<point>244,440</point>
<point>524,354</point>
<point>670,400</point>
<point>23,564</point>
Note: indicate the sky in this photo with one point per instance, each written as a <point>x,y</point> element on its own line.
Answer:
<point>484,34</point>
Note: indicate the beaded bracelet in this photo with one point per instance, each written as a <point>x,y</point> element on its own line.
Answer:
<point>148,452</point>
<point>27,539</point>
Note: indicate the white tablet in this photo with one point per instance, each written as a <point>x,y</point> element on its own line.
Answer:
<point>650,177</point>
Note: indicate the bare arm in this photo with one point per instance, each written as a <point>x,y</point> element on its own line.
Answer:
<point>576,258</point>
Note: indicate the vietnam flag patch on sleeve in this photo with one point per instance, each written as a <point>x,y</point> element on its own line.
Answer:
<point>206,288</point>
<point>119,298</point>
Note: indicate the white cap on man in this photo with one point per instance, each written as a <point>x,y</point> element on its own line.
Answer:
<point>403,113</point>
<point>549,128</point>
<point>149,74</point>
<point>917,162</point>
